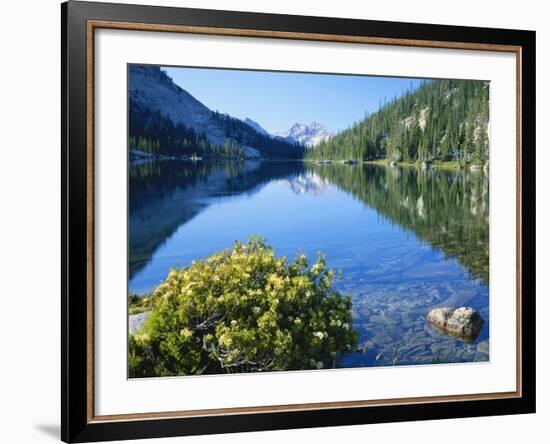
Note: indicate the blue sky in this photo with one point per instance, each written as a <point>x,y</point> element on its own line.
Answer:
<point>277,100</point>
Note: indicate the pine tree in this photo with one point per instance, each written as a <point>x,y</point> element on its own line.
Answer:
<point>440,120</point>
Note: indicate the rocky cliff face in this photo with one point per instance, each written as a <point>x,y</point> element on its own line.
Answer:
<point>256,126</point>
<point>150,87</point>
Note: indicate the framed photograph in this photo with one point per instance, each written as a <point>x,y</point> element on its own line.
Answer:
<point>275,221</point>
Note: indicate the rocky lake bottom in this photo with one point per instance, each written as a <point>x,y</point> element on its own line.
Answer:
<point>406,242</point>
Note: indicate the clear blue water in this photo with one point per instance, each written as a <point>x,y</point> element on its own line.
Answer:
<point>407,240</point>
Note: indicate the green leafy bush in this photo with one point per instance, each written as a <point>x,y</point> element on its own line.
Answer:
<point>138,304</point>
<point>243,310</point>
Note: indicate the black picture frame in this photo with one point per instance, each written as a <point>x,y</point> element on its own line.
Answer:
<point>76,423</point>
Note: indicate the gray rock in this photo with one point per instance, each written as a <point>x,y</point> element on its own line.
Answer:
<point>439,316</point>
<point>136,321</point>
<point>463,322</point>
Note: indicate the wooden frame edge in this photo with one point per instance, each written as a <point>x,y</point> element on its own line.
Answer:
<point>304,407</point>
<point>519,223</point>
<point>92,25</point>
<point>337,38</point>
<point>90,183</point>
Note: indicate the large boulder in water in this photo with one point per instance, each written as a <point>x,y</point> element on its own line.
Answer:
<point>463,322</point>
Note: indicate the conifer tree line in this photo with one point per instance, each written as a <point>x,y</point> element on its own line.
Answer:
<point>441,120</point>
<point>269,147</point>
<point>153,133</point>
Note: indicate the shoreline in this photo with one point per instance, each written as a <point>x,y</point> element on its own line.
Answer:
<point>442,165</point>
<point>451,165</point>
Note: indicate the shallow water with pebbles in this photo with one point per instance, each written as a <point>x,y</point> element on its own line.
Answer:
<point>406,240</point>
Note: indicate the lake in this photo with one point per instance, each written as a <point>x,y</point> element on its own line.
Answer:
<point>406,239</point>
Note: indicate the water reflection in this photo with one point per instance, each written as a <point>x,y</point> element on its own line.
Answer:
<point>165,195</point>
<point>448,209</point>
<point>406,239</point>
<point>307,183</point>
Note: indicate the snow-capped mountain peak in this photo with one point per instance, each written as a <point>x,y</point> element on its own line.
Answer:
<point>309,135</point>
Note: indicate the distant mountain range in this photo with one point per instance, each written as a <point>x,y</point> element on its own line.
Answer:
<point>308,135</point>
<point>305,135</point>
<point>441,120</point>
<point>164,119</point>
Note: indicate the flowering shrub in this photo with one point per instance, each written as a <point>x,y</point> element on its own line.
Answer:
<point>243,310</point>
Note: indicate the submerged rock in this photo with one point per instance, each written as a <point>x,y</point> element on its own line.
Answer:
<point>135,322</point>
<point>463,322</point>
<point>483,347</point>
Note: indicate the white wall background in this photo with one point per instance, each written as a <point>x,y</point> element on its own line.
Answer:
<point>30,218</point>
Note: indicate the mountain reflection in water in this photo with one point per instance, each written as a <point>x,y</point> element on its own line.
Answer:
<point>406,239</point>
